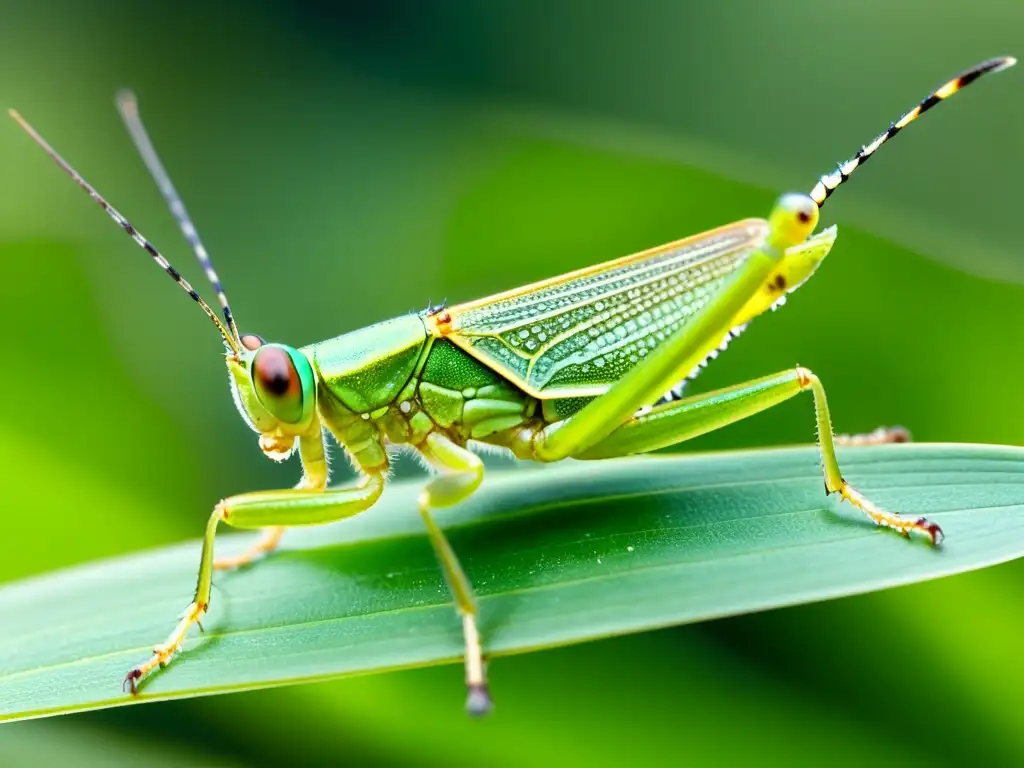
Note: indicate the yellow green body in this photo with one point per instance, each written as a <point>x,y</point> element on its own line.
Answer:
<point>498,370</point>
<point>568,367</point>
<point>586,365</point>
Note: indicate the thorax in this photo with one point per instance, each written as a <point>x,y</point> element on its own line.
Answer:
<point>448,392</point>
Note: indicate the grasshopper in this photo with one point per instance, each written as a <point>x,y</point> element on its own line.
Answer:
<point>587,365</point>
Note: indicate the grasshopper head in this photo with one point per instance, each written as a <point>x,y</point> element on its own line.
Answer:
<point>274,388</point>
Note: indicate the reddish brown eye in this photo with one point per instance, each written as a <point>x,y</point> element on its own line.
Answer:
<point>274,372</point>
<point>251,341</point>
<point>278,383</point>
<point>284,382</point>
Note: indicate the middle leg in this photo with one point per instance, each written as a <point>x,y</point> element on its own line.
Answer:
<point>461,474</point>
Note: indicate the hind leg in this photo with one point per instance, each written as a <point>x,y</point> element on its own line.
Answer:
<point>675,422</point>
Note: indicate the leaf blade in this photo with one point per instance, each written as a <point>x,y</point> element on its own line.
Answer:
<point>559,555</point>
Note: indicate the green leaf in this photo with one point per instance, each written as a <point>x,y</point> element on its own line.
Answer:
<point>558,555</point>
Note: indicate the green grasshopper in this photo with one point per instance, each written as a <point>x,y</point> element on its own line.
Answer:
<point>586,365</point>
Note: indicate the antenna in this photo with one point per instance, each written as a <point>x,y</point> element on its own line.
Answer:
<point>128,106</point>
<point>127,227</point>
<point>828,183</point>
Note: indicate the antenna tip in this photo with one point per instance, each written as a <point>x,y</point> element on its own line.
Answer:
<point>16,116</point>
<point>1005,63</point>
<point>127,102</point>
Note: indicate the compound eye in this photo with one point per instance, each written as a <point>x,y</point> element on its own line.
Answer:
<point>252,342</point>
<point>793,220</point>
<point>279,387</point>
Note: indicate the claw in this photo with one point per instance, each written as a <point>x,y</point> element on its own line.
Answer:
<point>479,702</point>
<point>163,653</point>
<point>932,529</point>
<point>129,680</point>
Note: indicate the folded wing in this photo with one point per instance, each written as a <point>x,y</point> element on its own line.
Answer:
<point>576,334</point>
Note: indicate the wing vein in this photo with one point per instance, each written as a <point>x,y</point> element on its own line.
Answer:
<point>580,332</point>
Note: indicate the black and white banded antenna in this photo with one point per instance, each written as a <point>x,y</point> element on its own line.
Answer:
<point>229,339</point>
<point>828,183</point>
<point>128,106</point>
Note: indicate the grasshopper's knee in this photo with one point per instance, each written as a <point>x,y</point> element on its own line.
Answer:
<point>449,489</point>
<point>221,512</point>
<point>806,378</point>
<point>462,471</point>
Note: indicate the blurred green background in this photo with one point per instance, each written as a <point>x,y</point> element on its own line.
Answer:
<point>347,161</point>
